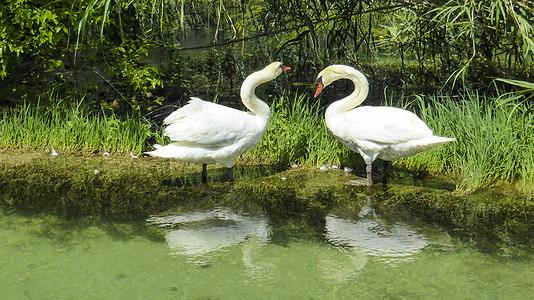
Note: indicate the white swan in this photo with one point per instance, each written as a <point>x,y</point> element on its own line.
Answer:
<point>205,132</point>
<point>381,132</point>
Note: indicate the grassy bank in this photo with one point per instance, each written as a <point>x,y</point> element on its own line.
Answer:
<point>495,136</point>
<point>68,125</point>
<point>495,139</point>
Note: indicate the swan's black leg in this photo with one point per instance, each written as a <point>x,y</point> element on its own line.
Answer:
<point>385,166</point>
<point>369,170</point>
<point>230,174</point>
<point>204,174</point>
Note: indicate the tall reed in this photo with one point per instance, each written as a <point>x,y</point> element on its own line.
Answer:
<point>495,138</point>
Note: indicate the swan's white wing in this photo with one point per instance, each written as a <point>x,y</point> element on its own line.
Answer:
<point>384,125</point>
<point>207,124</point>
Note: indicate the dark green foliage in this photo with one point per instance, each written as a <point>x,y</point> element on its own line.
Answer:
<point>79,45</point>
<point>31,30</point>
<point>119,50</point>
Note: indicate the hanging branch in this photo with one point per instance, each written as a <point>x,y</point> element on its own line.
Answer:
<point>270,33</point>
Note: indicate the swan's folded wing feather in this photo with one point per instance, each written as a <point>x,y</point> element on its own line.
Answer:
<point>206,124</point>
<point>385,125</point>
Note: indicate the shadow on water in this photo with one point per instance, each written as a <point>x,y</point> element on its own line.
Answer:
<point>63,230</point>
<point>386,173</point>
<point>295,233</point>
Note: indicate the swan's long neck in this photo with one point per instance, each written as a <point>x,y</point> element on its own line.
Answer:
<point>248,94</point>
<point>361,89</point>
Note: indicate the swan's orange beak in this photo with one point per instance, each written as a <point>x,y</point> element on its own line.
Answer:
<point>286,68</point>
<point>320,87</point>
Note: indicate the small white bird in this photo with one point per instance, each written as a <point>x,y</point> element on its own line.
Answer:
<point>205,132</point>
<point>381,132</point>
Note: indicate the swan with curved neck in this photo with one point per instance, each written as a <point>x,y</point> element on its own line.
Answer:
<point>205,132</point>
<point>375,132</point>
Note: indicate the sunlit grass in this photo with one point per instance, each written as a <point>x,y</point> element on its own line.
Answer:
<point>495,138</point>
<point>67,126</point>
<point>297,134</point>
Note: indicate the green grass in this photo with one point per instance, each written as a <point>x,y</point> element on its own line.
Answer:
<point>67,126</point>
<point>297,134</point>
<point>495,138</point>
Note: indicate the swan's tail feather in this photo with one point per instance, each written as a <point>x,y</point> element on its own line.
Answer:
<point>168,151</point>
<point>155,152</point>
<point>433,141</point>
<point>183,153</point>
<point>439,140</point>
<point>412,147</point>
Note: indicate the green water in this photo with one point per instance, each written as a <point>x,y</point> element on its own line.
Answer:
<point>219,254</point>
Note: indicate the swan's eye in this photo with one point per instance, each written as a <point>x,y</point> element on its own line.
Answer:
<point>319,79</point>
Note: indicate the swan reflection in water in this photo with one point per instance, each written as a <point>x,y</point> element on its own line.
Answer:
<point>200,235</point>
<point>387,241</point>
<point>347,246</point>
